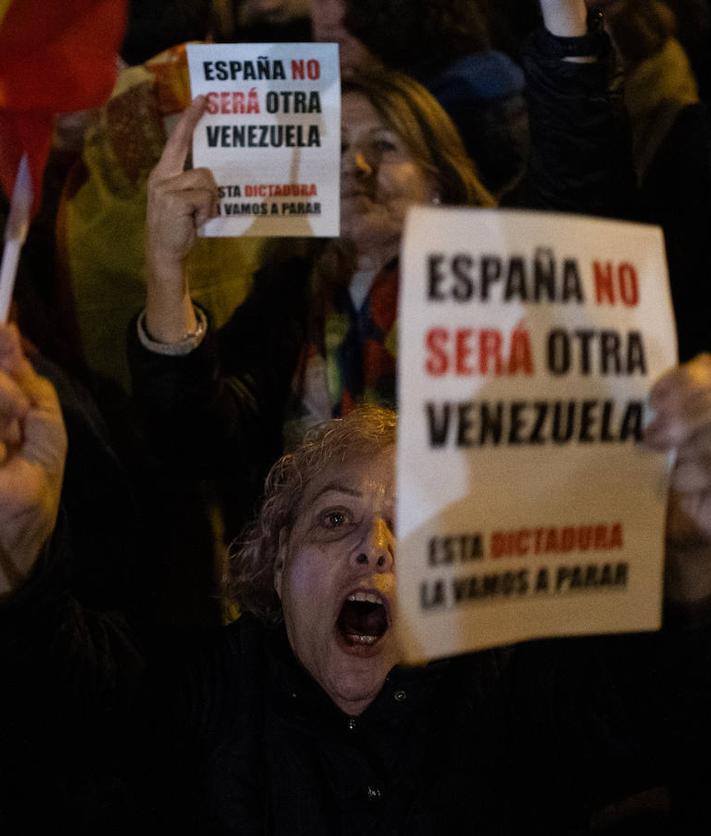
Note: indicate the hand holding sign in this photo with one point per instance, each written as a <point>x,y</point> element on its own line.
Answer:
<point>178,201</point>
<point>32,448</point>
<point>682,422</point>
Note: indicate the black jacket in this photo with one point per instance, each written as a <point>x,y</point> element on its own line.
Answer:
<point>526,740</point>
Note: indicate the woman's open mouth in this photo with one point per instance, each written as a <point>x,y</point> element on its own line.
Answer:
<point>363,619</point>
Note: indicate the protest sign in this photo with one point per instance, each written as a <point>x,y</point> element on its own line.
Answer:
<point>271,136</point>
<point>526,506</point>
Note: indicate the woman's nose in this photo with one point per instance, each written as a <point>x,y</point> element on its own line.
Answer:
<point>378,547</point>
<point>357,163</point>
<point>363,166</point>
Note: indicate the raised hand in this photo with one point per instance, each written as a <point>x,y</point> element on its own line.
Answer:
<point>178,203</point>
<point>32,449</point>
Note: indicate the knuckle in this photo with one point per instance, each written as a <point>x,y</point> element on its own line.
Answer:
<point>154,178</point>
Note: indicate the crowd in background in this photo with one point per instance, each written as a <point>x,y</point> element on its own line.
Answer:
<point>185,367</point>
<point>78,289</point>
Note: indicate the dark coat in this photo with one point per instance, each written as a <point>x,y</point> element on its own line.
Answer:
<point>528,740</point>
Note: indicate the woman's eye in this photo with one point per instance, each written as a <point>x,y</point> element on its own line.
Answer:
<point>334,519</point>
<point>383,144</point>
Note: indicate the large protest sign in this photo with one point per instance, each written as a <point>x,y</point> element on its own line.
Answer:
<point>271,136</point>
<point>526,506</point>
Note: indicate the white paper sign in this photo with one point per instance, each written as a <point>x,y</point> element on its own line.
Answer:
<point>526,508</point>
<point>271,136</point>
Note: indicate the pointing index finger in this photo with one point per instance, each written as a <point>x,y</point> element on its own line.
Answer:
<point>176,149</point>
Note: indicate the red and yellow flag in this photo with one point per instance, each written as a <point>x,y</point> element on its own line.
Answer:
<point>55,57</point>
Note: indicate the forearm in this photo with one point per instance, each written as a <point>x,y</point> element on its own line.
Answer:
<point>34,525</point>
<point>580,157</point>
<point>219,410</point>
<point>199,422</point>
<point>169,310</point>
<point>565,18</point>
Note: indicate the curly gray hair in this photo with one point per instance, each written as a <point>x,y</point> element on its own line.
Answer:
<point>250,580</point>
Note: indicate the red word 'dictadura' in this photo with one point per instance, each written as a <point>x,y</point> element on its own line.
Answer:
<point>561,540</point>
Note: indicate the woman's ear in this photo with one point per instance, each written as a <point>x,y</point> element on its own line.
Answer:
<point>280,562</point>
